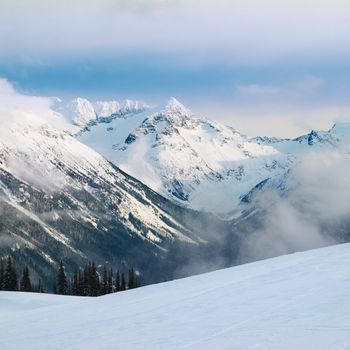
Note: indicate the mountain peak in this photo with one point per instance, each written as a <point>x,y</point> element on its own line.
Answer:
<point>176,106</point>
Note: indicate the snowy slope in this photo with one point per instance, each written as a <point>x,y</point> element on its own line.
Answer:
<point>298,301</point>
<point>82,112</point>
<point>61,199</point>
<point>45,158</point>
<point>194,161</point>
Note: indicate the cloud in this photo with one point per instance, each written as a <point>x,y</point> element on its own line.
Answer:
<point>138,164</point>
<point>6,88</point>
<point>252,64</point>
<point>16,107</point>
<point>240,32</point>
<point>287,109</point>
<point>292,92</point>
<point>311,214</point>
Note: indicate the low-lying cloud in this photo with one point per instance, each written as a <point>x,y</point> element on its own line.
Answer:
<point>16,107</point>
<point>312,213</point>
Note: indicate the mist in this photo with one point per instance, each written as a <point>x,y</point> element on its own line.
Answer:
<point>311,212</point>
<point>17,107</point>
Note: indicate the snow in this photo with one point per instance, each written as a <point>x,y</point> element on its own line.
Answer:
<point>298,301</point>
<point>43,157</point>
<point>106,108</point>
<point>197,162</point>
<point>80,111</point>
<point>191,160</point>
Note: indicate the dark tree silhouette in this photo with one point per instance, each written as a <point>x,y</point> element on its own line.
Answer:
<point>61,280</point>
<point>26,285</point>
<point>10,276</point>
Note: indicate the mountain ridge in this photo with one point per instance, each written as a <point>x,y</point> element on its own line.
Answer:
<point>196,162</point>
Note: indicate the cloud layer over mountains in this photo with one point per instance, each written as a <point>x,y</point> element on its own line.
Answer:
<point>312,212</point>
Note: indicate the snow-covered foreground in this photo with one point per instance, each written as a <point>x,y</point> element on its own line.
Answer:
<point>300,301</point>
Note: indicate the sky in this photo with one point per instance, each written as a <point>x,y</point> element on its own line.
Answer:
<point>264,67</point>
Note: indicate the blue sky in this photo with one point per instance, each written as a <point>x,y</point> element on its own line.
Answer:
<point>272,67</point>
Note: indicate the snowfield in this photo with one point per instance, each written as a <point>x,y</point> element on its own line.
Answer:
<point>299,301</point>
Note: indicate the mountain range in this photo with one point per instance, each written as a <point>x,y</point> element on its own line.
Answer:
<point>195,162</point>
<point>127,184</point>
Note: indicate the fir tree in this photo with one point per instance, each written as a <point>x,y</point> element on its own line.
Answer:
<point>104,281</point>
<point>122,282</point>
<point>75,283</point>
<point>54,286</point>
<point>61,280</point>
<point>81,283</point>
<point>131,279</point>
<point>137,282</point>
<point>14,279</point>
<point>2,273</point>
<point>110,281</point>
<point>26,285</point>
<point>10,276</point>
<point>40,288</point>
<point>117,284</point>
<point>93,280</point>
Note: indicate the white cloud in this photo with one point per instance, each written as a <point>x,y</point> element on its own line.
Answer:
<point>15,107</point>
<point>277,120</point>
<point>257,93</point>
<point>245,32</point>
<point>314,212</point>
<point>284,110</point>
<point>6,88</point>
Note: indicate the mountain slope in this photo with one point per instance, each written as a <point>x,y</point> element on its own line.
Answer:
<point>83,113</point>
<point>219,171</point>
<point>62,200</point>
<point>197,162</point>
<point>193,161</point>
<point>298,301</point>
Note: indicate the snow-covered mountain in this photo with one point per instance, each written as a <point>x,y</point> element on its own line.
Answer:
<point>196,162</point>
<point>61,199</point>
<point>83,113</point>
<point>298,301</point>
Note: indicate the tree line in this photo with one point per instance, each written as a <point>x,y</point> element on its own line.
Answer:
<point>86,281</point>
<point>9,280</point>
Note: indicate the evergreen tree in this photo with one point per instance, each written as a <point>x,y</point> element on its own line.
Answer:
<point>40,288</point>
<point>122,282</point>
<point>54,286</point>
<point>131,278</point>
<point>2,273</point>
<point>14,279</point>
<point>26,285</point>
<point>10,276</point>
<point>85,281</point>
<point>75,283</point>
<point>137,282</point>
<point>104,281</point>
<point>81,283</point>
<point>61,280</point>
<point>94,288</point>
<point>110,281</point>
<point>117,284</point>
